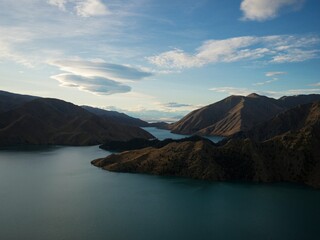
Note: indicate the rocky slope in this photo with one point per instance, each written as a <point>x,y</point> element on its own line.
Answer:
<point>236,113</point>
<point>53,121</point>
<point>292,156</point>
<point>292,120</point>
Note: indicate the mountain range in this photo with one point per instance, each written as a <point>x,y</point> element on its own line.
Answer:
<point>43,121</point>
<point>236,113</point>
<point>284,147</point>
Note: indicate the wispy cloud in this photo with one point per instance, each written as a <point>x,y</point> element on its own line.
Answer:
<point>261,10</point>
<point>232,90</point>
<point>176,105</point>
<point>272,74</point>
<point>275,49</point>
<point>91,8</point>
<point>97,85</point>
<point>83,8</point>
<point>61,4</point>
<point>315,84</point>
<point>276,94</point>
<point>266,82</point>
<point>55,26</point>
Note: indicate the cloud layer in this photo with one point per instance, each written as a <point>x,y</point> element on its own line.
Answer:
<point>97,76</point>
<point>97,85</point>
<point>275,49</point>
<point>100,68</point>
<point>261,10</point>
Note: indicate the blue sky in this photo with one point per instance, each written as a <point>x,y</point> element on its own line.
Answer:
<point>158,60</point>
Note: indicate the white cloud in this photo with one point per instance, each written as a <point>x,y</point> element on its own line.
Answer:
<point>232,90</point>
<point>97,76</point>
<point>275,49</point>
<point>59,3</point>
<point>176,105</point>
<point>96,85</point>
<point>91,8</point>
<point>100,68</point>
<point>83,8</point>
<point>261,10</point>
<point>272,74</point>
<point>266,82</point>
<point>296,55</point>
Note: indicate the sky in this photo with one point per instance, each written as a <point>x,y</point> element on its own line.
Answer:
<point>159,60</point>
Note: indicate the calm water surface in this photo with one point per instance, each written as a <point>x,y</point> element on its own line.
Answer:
<point>162,134</point>
<point>54,193</point>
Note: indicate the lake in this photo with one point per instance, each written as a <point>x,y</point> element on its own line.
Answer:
<point>162,134</point>
<point>55,193</point>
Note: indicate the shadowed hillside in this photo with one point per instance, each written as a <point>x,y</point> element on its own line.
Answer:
<point>53,121</point>
<point>9,100</point>
<point>236,113</point>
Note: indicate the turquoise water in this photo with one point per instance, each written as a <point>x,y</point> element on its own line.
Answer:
<point>54,193</point>
<point>162,134</point>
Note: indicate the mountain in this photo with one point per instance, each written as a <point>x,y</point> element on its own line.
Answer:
<point>292,156</point>
<point>53,121</point>
<point>236,113</point>
<point>116,117</point>
<point>292,120</point>
<point>11,100</point>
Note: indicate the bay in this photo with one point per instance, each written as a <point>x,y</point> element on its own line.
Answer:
<point>162,134</point>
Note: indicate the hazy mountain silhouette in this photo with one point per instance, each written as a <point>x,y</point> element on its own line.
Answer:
<point>116,117</point>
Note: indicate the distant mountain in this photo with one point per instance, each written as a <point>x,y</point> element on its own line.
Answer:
<point>116,117</point>
<point>53,121</point>
<point>9,100</point>
<point>293,155</point>
<point>236,113</point>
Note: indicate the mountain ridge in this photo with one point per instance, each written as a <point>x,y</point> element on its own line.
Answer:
<point>236,113</point>
<point>47,121</point>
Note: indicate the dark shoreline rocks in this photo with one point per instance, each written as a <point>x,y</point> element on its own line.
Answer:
<point>139,143</point>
